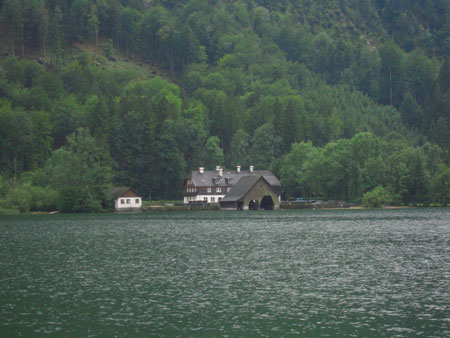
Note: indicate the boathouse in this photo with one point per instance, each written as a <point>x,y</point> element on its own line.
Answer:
<point>251,193</point>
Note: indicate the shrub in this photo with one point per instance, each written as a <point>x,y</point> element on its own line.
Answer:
<point>440,185</point>
<point>78,201</point>
<point>376,198</point>
<point>26,197</point>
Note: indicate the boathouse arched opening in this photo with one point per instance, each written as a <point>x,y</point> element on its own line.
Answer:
<point>253,205</point>
<point>267,203</point>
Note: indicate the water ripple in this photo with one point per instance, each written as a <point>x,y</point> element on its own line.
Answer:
<point>310,273</point>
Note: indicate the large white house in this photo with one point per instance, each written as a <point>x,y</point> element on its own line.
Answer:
<point>213,185</point>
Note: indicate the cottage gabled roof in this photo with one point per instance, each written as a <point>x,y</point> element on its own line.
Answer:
<point>208,178</point>
<point>116,192</point>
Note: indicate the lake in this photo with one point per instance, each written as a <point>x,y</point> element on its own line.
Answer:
<point>280,273</point>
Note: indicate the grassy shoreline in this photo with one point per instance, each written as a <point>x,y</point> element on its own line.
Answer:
<point>177,208</point>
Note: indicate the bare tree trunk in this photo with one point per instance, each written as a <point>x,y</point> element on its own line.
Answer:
<point>95,46</point>
<point>44,52</point>
<point>15,168</point>
<point>44,26</point>
<point>390,86</point>
<point>172,67</point>
<point>95,49</point>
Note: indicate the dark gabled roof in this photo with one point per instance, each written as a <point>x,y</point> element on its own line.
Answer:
<point>207,178</point>
<point>116,192</point>
<point>245,184</point>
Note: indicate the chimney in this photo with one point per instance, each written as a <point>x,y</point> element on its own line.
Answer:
<point>251,168</point>
<point>217,167</point>
<point>220,172</point>
<point>201,170</point>
<point>238,168</point>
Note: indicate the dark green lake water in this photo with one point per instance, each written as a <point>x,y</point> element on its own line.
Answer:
<point>286,273</point>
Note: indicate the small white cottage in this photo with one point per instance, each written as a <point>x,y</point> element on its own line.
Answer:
<point>125,199</point>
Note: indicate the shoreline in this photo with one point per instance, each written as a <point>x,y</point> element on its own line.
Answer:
<point>152,209</point>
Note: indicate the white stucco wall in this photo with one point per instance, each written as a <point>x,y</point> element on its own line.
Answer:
<point>201,198</point>
<point>128,202</point>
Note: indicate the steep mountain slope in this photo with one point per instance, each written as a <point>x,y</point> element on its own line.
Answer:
<point>242,81</point>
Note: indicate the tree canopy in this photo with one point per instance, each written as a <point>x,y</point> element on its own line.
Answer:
<point>336,97</point>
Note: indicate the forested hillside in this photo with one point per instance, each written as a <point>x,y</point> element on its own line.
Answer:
<point>338,98</point>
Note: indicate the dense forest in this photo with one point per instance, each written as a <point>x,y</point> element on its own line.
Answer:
<point>341,99</point>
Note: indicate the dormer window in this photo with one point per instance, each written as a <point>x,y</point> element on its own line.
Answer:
<point>230,181</point>
<point>216,180</point>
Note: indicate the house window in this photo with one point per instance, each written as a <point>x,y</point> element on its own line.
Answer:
<point>218,189</point>
<point>122,201</point>
<point>209,189</point>
<point>128,201</point>
<point>213,199</point>
<point>205,199</point>
<point>136,200</point>
<point>216,181</point>
<point>230,181</point>
<point>228,189</point>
